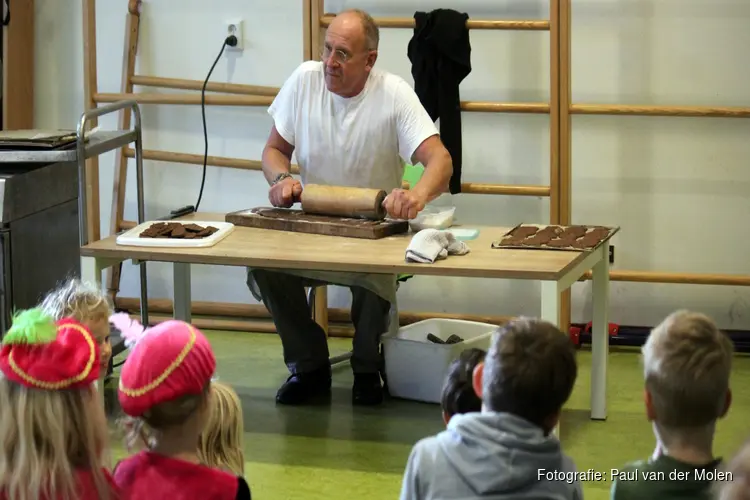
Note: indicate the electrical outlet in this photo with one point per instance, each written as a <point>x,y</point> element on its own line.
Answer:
<point>611,254</point>
<point>234,27</point>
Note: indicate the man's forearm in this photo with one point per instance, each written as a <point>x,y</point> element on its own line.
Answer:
<point>436,177</point>
<point>274,162</point>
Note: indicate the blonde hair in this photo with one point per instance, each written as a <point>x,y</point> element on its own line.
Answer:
<point>220,443</point>
<point>687,362</point>
<point>44,437</point>
<point>76,299</point>
<point>737,483</point>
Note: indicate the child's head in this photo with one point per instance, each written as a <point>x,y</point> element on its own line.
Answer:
<point>686,361</point>
<point>86,304</point>
<point>165,381</point>
<point>458,394</point>
<point>220,443</point>
<point>51,419</point>
<point>529,372</point>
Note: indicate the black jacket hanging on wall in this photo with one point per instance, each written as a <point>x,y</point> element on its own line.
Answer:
<point>440,55</point>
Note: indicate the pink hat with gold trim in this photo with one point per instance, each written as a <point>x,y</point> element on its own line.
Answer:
<point>168,361</point>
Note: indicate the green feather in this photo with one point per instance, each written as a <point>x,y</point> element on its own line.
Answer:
<point>31,326</point>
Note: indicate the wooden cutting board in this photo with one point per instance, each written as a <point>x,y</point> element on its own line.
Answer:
<point>283,219</point>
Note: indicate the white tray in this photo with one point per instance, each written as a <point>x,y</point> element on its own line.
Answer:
<point>131,238</point>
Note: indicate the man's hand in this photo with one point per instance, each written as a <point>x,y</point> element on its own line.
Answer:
<point>403,204</point>
<point>285,193</point>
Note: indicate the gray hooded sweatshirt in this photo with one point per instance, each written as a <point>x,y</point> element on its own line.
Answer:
<point>489,455</point>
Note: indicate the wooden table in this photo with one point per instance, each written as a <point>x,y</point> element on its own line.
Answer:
<point>556,270</point>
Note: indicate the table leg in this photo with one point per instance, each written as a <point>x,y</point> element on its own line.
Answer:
<point>550,302</point>
<point>181,299</point>
<point>550,295</point>
<point>91,271</point>
<point>600,338</point>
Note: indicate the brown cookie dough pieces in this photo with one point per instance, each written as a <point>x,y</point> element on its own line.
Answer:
<point>586,242</point>
<point>156,230</point>
<point>573,232</point>
<point>517,236</point>
<point>176,230</point>
<point>536,240</point>
<point>512,240</point>
<point>581,237</point>
<point>523,232</point>
<point>551,231</point>
<point>205,232</point>
<point>599,232</point>
<point>562,242</point>
<point>592,238</point>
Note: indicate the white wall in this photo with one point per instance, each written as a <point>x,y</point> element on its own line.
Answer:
<point>663,180</point>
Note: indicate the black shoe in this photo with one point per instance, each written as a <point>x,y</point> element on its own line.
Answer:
<point>302,388</point>
<point>367,390</point>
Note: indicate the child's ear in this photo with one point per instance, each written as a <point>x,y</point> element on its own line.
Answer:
<point>206,399</point>
<point>551,422</point>
<point>476,379</point>
<point>727,404</point>
<point>648,401</point>
<point>446,418</point>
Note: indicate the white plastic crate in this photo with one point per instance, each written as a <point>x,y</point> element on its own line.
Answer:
<point>415,367</point>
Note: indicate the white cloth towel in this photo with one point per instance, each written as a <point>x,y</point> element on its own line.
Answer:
<point>429,245</point>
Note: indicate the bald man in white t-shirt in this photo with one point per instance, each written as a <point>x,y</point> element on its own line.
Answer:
<point>347,124</point>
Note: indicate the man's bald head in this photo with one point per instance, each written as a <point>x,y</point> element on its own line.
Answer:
<point>369,29</point>
<point>349,52</point>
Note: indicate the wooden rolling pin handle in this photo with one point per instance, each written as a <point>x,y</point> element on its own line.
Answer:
<point>380,212</point>
<point>340,201</point>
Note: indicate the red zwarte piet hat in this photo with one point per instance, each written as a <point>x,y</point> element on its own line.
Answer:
<point>41,353</point>
<point>168,361</point>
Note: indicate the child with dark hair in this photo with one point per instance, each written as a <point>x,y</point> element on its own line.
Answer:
<point>508,449</point>
<point>458,390</point>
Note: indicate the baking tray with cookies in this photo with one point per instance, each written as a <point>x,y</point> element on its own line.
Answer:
<point>577,238</point>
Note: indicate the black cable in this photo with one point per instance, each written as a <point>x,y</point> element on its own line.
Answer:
<point>230,41</point>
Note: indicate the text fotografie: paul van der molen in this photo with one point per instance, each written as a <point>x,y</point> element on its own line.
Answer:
<point>634,475</point>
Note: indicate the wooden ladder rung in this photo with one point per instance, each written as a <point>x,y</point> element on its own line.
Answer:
<point>472,24</point>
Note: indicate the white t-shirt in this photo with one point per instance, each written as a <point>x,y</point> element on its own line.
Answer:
<point>355,142</point>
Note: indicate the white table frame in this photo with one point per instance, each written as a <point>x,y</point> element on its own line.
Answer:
<point>597,261</point>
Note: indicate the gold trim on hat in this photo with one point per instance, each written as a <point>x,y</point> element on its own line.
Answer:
<point>63,383</point>
<point>161,378</point>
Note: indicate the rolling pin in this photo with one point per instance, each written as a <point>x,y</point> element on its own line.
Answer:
<point>357,203</point>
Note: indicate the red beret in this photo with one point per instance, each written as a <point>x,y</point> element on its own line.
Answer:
<point>41,353</point>
<point>170,360</point>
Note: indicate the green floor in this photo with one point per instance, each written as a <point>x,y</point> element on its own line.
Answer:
<point>331,452</point>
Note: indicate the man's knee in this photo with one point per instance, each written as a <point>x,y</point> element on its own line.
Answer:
<point>263,283</point>
<point>269,281</point>
<point>370,306</point>
<point>257,275</point>
<point>268,277</point>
